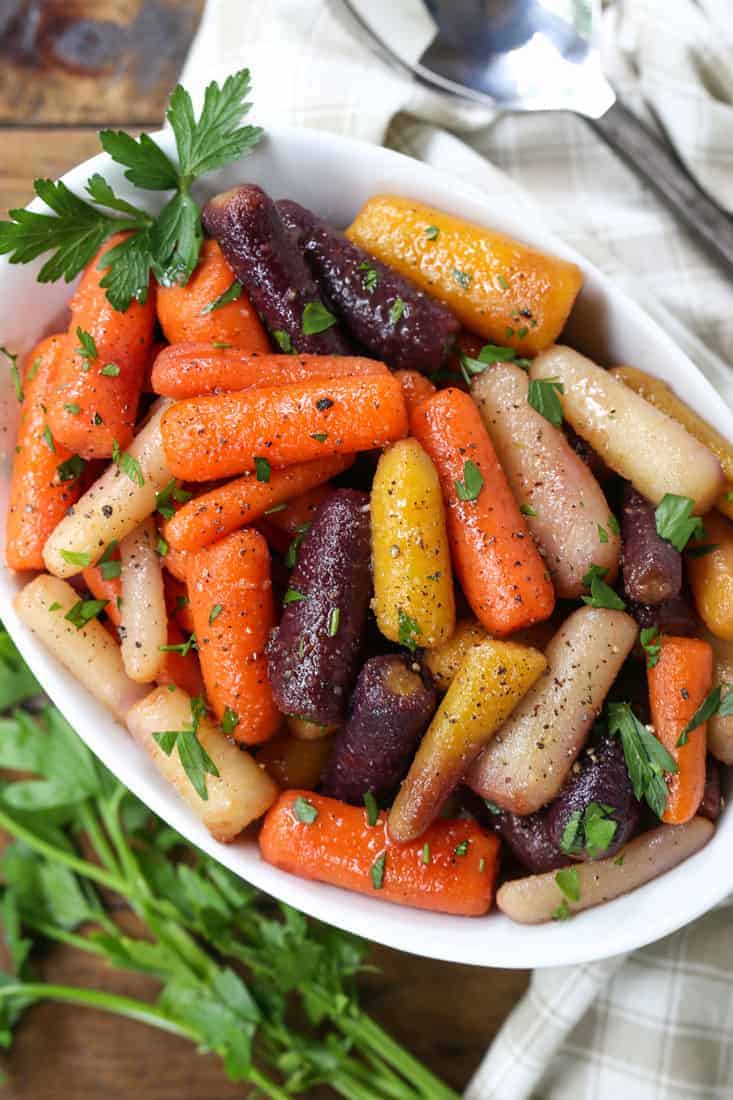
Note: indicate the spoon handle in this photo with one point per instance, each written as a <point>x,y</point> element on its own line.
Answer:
<point>660,166</point>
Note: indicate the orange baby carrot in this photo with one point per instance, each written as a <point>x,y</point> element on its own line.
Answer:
<point>196,311</point>
<point>176,562</point>
<point>415,388</point>
<point>99,375</point>
<point>181,669</point>
<point>237,503</point>
<point>450,869</point>
<point>40,492</point>
<point>501,572</point>
<point>178,603</point>
<point>190,370</point>
<point>233,613</point>
<point>678,685</point>
<point>212,437</point>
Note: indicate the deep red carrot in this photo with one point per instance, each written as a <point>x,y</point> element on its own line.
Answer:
<point>99,375</point>
<point>196,311</point>
<point>501,572</point>
<point>243,501</point>
<point>678,685</point>
<point>45,481</point>
<point>194,369</point>
<point>450,869</point>
<point>276,426</point>
<point>233,613</point>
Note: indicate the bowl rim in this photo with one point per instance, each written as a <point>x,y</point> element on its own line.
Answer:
<point>452,939</point>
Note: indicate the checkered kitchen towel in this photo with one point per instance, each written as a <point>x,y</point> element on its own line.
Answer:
<point>657,1024</point>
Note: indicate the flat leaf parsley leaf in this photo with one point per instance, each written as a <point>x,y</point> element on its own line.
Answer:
<point>542,396</point>
<point>194,758</point>
<point>675,521</point>
<point>601,594</point>
<point>472,483</point>
<point>168,244</point>
<point>647,760</point>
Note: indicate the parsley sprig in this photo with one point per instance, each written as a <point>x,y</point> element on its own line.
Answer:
<point>292,998</point>
<point>647,759</point>
<point>166,244</point>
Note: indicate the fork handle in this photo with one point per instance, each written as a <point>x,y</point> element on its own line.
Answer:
<point>662,169</point>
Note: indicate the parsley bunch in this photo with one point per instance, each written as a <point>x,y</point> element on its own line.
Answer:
<point>271,993</point>
<point>167,244</point>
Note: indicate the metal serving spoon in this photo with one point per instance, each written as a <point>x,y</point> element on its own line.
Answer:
<point>542,55</point>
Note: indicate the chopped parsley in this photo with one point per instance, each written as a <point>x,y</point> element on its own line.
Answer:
<point>48,439</point>
<point>568,881</point>
<point>293,596</point>
<point>233,291</point>
<point>292,552</point>
<point>263,469</point>
<point>431,232</point>
<point>591,829</point>
<point>110,370</point>
<point>489,354</point>
<point>110,567</point>
<point>542,396</point>
<point>377,871</point>
<point>651,641</point>
<point>710,706</point>
<point>372,809</point>
<point>87,348</point>
<point>462,278</point>
<point>71,469</point>
<point>369,278</point>
<point>215,612</point>
<point>229,720</point>
<point>129,465</point>
<point>84,611</point>
<point>502,282</point>
<point>396,312</point>
<point>601,594</point>
<point>183,647</point>
<point>14,373</point>
<point>194,758</point>
<point>320,437</point>
<point>334,620</point>
<point>167,495</point>
<point>613,525</point>
<point>304,811</point>
<point>74,557</point>
<point>602,533</point>
<point>283,341</point>
<point>72,408</point>
<point>647,760</point>
<point>161,547</point>
<point>316,318</point>
<point>527,510</point>
<point>675,521</point>
<point>472,483</point>
<point>408,630</point>
<point>461,849</point>
<point>426,853</point>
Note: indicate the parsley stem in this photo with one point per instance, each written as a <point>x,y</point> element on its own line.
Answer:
<point>58,855</point>
<point>97,998</point>
<point>71,939</point>
<point>95,833</point>
<point>111,817</point>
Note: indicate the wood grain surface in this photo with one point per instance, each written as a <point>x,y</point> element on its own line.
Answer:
<point>67,69</point>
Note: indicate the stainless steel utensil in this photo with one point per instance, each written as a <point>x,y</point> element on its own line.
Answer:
<point>542,55</point>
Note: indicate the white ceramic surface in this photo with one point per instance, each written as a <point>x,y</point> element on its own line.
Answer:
<point>334,176</point>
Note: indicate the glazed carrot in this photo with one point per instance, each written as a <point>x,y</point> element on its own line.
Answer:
<point>176,562</point>
<point>102,589</point>
<point>678,685</point>
<point>190,370</point>
<point>196,311</point>
<point>233,612</point>
<point>211,437</point>
<point>240,502</point>
<point>498,287</point>
<point>177,602</point>
<point>299,511</point>
<point>415,388</point>
<point>39,498</point>
<point>181,669</point>
<point>502,574</point>
<point>156,348</point>
<point>98,378</point>
<point>450,869</point>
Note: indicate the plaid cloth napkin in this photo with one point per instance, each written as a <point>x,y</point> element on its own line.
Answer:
<point>657,1024</point>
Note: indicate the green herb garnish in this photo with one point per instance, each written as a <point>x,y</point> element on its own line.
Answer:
<point>472,483</point>
<point>675,521</point>
<point>231,294</point>
<point>647,760</point>
<point>542,396</point>
<point>601,594</point>
<point>316,318</point>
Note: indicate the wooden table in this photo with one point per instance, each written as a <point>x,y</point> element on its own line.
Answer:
<point>67,69</point>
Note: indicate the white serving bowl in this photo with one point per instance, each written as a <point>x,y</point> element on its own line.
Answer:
<point>334,176</point>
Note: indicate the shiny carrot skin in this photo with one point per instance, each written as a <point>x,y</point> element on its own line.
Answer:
<point>38,497</point>
<point>212,437</point>
<point>194,311</point>
<point>502,574</point>
<point>678,685</point>
<point>241,502</point>
<point>194,369</point>
<point>106,402</point>
<point>450,869</point>
<point>233,613</point>
<point>300,510</point>
<point>177,601</point>
<point>176,562</point>
<point>415,388</point>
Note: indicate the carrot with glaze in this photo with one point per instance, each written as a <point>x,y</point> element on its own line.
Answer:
<point>241,502</point>
<point>501,572</point>
<point>212,437</point>
<point>39,498</point>
<point>678,686</point>
<point>211,307</point>
<point>230,590</point>
<point>451,869</point>
<point>299,511</point>
<point>191,370</point>
<point>99,376</point>
<point>415,388</point>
